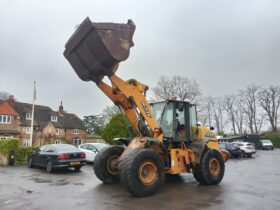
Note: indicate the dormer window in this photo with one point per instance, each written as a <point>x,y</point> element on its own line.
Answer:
<point>28,116</point>
<point>76,131</point>
<point>54,118</point>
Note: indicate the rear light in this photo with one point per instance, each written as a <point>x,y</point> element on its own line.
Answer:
<point>82,155</point>
<point>63,156</point>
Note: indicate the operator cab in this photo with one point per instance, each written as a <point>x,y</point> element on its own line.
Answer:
<point>178,120</point>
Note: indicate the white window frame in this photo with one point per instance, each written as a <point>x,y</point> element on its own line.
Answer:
<point>76,131</point>
<point>28,130</point>
<point>53,118</point>
<point>27,142</point>
<point>7,118</point>
<point>77,142</point>
<point>6,137</point>
<point>58,141</point>
<point>28,116</point>
<point>57,131</point>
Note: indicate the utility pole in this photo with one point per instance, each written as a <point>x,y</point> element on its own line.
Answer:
<point>32,115</point>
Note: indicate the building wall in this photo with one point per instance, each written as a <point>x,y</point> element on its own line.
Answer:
<point>14,125</point>
<point>70,135</point>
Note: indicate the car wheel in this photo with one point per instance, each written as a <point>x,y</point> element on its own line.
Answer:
<point>49,166</point>
<point>30,162</point>
<point>142,172</point>
<point>105,164</point>
<point>243,154</point>
<point>249,155</point>
<point>211,169</point>
<point>77,168</point>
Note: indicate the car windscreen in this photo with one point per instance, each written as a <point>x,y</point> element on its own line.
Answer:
<point>100,146</point>
<point>65,148</point>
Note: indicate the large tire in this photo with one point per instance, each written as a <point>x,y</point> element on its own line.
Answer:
<point>105,164</point>
<point>142,172</point>
<point>211,169</point>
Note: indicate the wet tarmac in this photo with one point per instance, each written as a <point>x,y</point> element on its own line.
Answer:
<point>250,183</point>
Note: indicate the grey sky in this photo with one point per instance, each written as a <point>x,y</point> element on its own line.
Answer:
<point>224,45</point>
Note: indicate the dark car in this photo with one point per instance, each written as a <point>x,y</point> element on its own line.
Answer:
<point>233,148</point>
<point>57,156</point>
<point>266,144</point>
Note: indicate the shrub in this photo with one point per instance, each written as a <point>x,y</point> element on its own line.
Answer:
<point>22,153</point>
<point>13,147</point>
<point>117,127</point>
<point>8,145</point>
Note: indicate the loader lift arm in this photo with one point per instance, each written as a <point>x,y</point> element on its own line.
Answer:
<point>130,96</point>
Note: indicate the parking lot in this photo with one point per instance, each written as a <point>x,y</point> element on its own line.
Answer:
<point>250,183</point>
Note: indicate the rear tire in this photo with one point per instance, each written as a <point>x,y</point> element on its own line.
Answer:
<point>142,172</point>
<point>105,164</point>
<point>49,166</point>
<point>211,169</point>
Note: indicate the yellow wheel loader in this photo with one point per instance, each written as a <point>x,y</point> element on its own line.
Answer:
<point>168,138</point>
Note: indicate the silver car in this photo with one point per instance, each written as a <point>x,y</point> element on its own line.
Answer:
<point>91,150</point>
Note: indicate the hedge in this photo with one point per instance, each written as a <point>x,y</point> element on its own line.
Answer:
<point>274,137</point>
<point>8,145</point>
<point>12,146</point>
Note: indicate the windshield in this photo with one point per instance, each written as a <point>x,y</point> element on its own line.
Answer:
<point>158,109</point>
<point>100,146</point>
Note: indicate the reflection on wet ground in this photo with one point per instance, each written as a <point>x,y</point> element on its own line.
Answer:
<point>251,183</point>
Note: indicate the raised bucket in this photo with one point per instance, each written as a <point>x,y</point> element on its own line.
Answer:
<point>95,49</point>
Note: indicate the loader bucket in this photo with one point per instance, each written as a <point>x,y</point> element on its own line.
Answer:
<point>95,49</point>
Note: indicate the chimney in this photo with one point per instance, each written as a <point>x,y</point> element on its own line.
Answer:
<point>60,109</point>
<point>11,99</point>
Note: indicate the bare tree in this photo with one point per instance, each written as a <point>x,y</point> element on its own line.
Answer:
<point>239,116</point>
<point>230,109</point>
<point>249,98</point>
<point>269,99</point>
<point>218,113</point>
<point>177,87</point>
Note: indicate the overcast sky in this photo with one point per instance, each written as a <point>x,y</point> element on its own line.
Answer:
<point>224,45</point>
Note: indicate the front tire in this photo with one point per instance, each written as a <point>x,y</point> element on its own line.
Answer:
<point>105,164</point>
<point>211,169</point>
<point>142,172</point>
<point>30,162</point>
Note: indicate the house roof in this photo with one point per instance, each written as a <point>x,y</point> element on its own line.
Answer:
<point>7,109</point>
<point>42,115</point>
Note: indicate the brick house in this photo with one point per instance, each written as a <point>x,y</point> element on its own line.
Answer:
<point>49,126</point>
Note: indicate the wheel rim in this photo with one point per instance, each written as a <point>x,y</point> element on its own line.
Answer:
<point>112,165</point>
<point>214,167</point>
<point>147,172</point>
<point>49,166</point>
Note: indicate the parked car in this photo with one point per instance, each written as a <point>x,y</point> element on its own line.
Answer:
<point>266,144</point>
<point>247,149</point>
<point>233,148</point>
<point>91,150</point>
<point>53,156</point>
